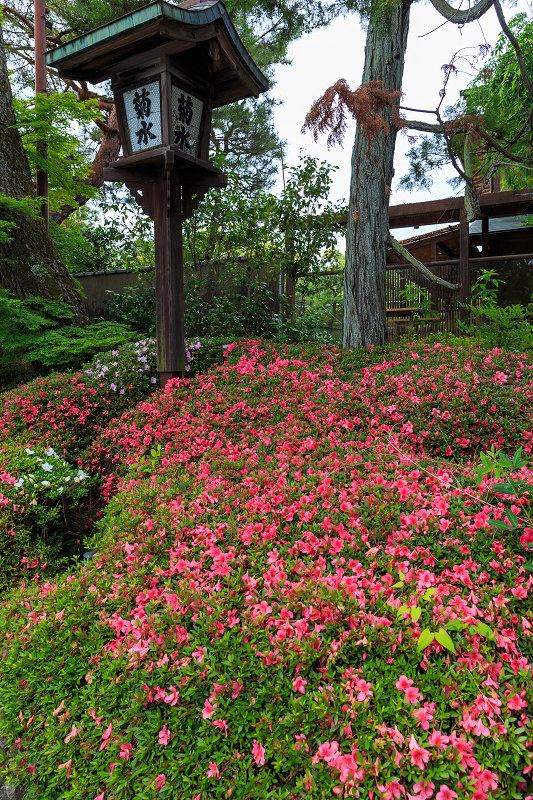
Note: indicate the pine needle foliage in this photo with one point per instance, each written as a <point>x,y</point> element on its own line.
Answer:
<point>368,105</point>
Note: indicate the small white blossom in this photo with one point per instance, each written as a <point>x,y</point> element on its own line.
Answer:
<point>47,467</point>
<point>30,452</point>
<point>18,483</point>
<point>45,483</point>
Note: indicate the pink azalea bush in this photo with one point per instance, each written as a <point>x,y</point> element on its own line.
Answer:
<point>250,625</point>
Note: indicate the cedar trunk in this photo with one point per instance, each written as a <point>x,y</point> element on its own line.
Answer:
<point>29,263</point>
<point>367,234</point>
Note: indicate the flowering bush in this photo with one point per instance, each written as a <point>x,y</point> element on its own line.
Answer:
<point>251,623</point>
<point>132,369</point>
<point>44,484</point>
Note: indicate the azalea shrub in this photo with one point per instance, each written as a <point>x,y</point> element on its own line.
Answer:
<point>292,594</point>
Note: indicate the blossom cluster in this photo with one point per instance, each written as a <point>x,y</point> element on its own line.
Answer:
<point>250,623</point>
<point>115,372</point>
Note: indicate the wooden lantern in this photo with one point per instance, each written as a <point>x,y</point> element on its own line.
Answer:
<point>169,67</point>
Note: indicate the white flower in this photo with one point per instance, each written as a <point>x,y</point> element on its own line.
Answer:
<point>82,474</point>
<point>30,452</point>
<point>45,483</point>
<point>18,483</point>
<point>47,467</point>
<point>51,452</point>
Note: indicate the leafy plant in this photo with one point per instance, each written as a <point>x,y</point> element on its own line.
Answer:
<point>499,463</point>
<point>8,205</point>
<point>45,486</point>
<point>38,336</point>
<point>49,118</point>
<point>506,326</point>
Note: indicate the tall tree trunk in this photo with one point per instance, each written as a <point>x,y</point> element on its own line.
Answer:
<point>29,263</point>
<point>372,170</point>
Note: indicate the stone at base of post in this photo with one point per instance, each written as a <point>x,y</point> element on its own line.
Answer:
<point>165,377</point>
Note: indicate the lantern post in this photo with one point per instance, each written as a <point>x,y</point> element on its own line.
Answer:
<point>169,67</point>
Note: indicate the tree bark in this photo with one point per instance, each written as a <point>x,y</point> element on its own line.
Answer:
<point>367,234</point>
<point>30,265</point>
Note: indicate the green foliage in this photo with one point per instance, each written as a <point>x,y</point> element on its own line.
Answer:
<point>248,626</point>
<point>498,93</point>
<point>498,97</point>
<point>294,233</point>
<point>498,326</point>
<point>499,463</point>
<point>81,16</point>
<point>135,307</point>
<point>52,118</point>
<point>38,336</point>
<point>244,133</point>
<point>10,207</point>
<point>88,247</point>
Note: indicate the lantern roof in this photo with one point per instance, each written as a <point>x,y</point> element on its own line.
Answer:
<point>198,34</point>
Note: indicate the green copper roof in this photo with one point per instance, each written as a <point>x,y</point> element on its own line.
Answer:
<point>78,57</point>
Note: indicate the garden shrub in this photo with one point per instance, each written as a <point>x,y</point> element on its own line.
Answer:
<point>250,625</point>
<point>497,325</point>
<point>41,496</point>
<point>38,336</point>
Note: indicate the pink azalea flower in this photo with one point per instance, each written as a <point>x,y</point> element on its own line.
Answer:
<point>125,751</point>
<point>160,781</point>
<point>172,697</point>
<point>403,683</point>
<point>213,771</point>
<point>299,685</point>
<point>208,709</point>
<point>445,793</point>
<point>73,733</point>
<point>423,790</point>
<point>258,752</point>
<point>164,735</point>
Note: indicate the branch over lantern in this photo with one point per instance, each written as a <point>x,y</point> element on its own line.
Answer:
<point>169,67</point>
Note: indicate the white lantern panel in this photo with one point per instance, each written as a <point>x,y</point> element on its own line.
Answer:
<point>143,114</point>
<point>186,120</point>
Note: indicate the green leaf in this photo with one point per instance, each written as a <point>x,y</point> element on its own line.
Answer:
<point>415,613</point>
<point>424,640</point>
<point>517,458</point>
<point>428,594</point>
<point>443,637</point>
<point>455,625</point>
<point>504,488</point>
<point>485,630</point>
<point>501,525</point>
<point>513,519</point>
<point>505,460</point>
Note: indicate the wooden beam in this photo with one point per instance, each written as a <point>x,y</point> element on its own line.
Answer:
<point>170,329</point>
<point>464,246</point>
<point>448,209</point>
<point>130,175</point>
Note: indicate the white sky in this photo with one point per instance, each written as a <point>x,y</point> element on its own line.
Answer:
<point>322,57</point>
